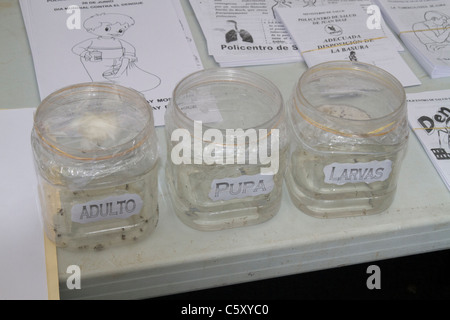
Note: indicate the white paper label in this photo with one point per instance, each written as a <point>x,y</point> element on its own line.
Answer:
<point>115,207</point>
<point>241,187</point>
<point>368,172</point>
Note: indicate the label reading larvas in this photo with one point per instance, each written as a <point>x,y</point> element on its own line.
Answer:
<point>367,172</point>
<point>115,207</point>
<point>241,187</point>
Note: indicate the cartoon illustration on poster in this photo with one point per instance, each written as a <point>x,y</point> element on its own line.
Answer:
<point>107,57</point>
<point>437,127</point>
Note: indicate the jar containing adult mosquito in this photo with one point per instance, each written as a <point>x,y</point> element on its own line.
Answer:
<point>349,131</point>
<point>226,146</point>
<point>95,153</point>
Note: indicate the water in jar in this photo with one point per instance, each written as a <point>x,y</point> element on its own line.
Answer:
<point>221,194</point>
<point>113,225</point>
<point>95,154</point>
<point>349,128</point>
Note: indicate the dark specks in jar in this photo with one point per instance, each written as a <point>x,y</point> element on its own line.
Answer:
<point>99,247</point>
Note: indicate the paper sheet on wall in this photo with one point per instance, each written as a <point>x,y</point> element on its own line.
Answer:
<point>340,32</point>
<point>22,268</point>
<point>244,32</point>
<point>144,45</point>
<point>247,32</point>
<point>429,118</point>
<point>365,4</point>
<point>424,27</point>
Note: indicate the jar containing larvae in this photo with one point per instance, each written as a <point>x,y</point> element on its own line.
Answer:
<point>95,153</point>
<point>349,130</point>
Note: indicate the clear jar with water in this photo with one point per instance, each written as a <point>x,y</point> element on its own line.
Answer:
<point>95,153</point>
<point>226,147</point>
<point>349,130</point>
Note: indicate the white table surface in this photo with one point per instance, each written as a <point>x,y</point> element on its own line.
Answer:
<point>176,258</point>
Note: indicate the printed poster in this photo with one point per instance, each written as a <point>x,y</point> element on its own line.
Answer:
<point>138,44</point>
<point>429,118</point>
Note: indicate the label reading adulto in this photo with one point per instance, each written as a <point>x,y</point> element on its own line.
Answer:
<point>241,187</point>
<point>367,172</point>
<point>115,207</point>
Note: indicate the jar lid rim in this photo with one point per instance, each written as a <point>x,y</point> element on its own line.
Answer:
<point>98,154</point>
<point>374,71</point>
<point>227,75</point>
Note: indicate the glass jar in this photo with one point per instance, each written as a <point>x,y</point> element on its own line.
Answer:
<point>95,153</point>
<point>349,131</point>
<point>226,140</point>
